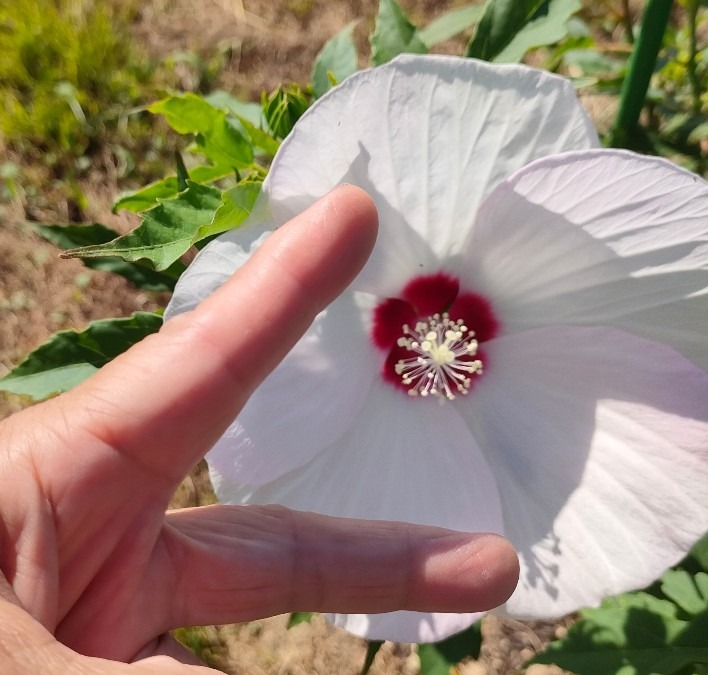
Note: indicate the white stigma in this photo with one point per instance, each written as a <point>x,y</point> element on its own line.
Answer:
<point>442,367</point>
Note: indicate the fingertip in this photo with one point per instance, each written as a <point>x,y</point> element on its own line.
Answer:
<point>356,205</point>
<point>499,568</point>
<point>345,222</point>
<point>472,573</point>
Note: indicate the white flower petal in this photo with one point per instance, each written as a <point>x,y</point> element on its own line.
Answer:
<point>428,137</point>
<point>401,626</point>
<point>598,441</point>
<point>402,459</point>
<point>605,237</point>
<point>307,402</point>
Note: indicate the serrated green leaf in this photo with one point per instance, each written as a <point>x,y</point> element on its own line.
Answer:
<point>509,28</point>
<point>449,24</point>
<point>338,57</point>
<point>299,617</point>
<point>634,634</point>
<point>71,236</point>
<point>393,34</point>
<point>688,591</point>
<point>69,357</point>
<point>236,205</point>
<point>167,230</point>
<point>151,195</point>
<point>218,136</point>
<point>441,657</point>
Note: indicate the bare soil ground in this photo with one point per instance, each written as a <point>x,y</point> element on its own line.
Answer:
<point>265,43</point>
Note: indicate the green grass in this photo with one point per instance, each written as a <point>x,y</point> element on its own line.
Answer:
<point>67,71</point>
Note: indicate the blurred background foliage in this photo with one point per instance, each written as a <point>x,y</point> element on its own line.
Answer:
<point>75,83</point>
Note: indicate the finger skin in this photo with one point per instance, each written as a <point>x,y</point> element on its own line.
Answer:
<point>90,472</point>
<point>224,564</point>
<point>238,562</point>
<point>86,477</point>
<point>182,388</point>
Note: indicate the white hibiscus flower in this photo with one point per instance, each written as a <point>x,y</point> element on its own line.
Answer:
<point>544,302</point>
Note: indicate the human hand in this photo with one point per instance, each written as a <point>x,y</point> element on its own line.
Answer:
<point>95,573</point>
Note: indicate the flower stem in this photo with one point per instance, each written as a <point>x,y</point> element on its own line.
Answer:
<point>641,68</point>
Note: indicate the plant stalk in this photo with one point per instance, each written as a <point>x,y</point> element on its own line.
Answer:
<point>640,70</point>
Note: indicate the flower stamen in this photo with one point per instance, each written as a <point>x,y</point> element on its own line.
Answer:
<point>443,364</point>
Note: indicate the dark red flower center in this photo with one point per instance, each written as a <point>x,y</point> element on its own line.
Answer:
<point>432,335</point>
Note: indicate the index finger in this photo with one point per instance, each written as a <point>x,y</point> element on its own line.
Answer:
<point>166,401</point>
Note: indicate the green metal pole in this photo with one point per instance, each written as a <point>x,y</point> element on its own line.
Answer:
<point>640,70</point>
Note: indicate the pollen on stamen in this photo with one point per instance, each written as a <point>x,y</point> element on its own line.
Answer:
<point>442,367</point>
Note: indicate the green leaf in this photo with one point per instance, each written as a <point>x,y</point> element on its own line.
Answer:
<point>260,138</point>
<point>591,62</point>
<point>167,230</point>
<point>241,109</point>
<point>236,205</point>
<point>699,553</point>
<point>337,59</point>
<point>449,24</point>
<point>151,195</point>
<point>69,357</point>
<point>688,591</point>
<point>394,34</point>
<point>441,657</point>
<point>634,634</point>
<point>549,25</point>
<point>219,137</point>
<point>699,133</point>
<point>284,107</point>
<point>509,28</point>
<point>299,617</point>
<point>71,236</point>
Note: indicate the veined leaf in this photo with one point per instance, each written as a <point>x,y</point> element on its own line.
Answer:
<point>509,28</point>
<point>69,357</point>
<point>167,230</point>
<point>449,24</point>
<point>634,634</point>
<point>151,195</point>
<point>394,34</point>
<point>71,236</point>
<point>688,591</point>
<point>219,137</point>
<point>236,205</point>
<point>337,59</point>
<point>441,657</point>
